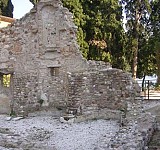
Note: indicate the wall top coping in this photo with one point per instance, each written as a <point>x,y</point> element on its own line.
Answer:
<point>7,19</point>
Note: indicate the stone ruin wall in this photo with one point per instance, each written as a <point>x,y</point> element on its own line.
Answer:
<point>42,40</point>
<point>45,39</point>
<point>40,50</point>
<point>101,89</point>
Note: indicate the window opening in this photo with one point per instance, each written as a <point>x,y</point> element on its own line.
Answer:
<point>6,80</point>
<point>54,71</point>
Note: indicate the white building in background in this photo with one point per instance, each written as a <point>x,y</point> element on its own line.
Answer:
<point>5,21</point>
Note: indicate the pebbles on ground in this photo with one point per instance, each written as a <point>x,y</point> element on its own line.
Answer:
<point>48,133</point>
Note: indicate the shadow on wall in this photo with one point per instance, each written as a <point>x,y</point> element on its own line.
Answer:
<point>5,93</point>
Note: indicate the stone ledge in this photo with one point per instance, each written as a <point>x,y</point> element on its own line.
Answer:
<point>135,135</point>
<point>100,114</point>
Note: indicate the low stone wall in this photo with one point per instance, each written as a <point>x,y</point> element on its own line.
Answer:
<point>95,90</point>
<point>100,114</point>
<point>135,135</point>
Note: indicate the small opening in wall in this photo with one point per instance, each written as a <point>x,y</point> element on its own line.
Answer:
<point>54,71</point>
<point>6,79</point>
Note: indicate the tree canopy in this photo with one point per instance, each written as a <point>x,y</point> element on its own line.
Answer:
<point>136,15</point>
<point>6,8</point>
<point>155,34</point>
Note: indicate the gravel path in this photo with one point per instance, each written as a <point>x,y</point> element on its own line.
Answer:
<point>147,104</point>
<point>40,133</point>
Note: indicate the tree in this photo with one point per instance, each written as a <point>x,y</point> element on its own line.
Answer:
<point>75,6</point>
<point>146,57</point>
<point>34,2</point>
<point>155,33</point>
<point>104,31</point>
<point>137,12</point>
<point>157,47</point>
<point>6,8</point>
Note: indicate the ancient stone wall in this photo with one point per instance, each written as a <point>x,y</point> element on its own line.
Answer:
<point>92,91</point>
<point>25,93</point>
<point>40,49</point>
<point>44,43</point>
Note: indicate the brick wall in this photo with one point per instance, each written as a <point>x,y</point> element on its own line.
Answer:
<point>101,89</point>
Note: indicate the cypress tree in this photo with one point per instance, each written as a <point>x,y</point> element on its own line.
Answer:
<point>136,15</point>
<point>6,8</point>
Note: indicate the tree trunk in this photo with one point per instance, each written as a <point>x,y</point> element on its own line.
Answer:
<point>158,75</point>
<point>143,88</point>
<point>135,53</point>
<point>135,43</point>
<point>158,61</point>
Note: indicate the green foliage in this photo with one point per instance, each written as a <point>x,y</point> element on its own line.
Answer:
<point>104,23</point>
<point>75,7</point>
<point>157,87</point>
<point>6,80</point>
<point>100,32</point>
<point>6,8</point>
<point>155,34</point>
<point>146,57</point>
<point>137,13</point>
<point>34,2</point>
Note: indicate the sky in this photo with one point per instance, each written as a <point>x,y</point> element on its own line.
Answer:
<point>21,7</point>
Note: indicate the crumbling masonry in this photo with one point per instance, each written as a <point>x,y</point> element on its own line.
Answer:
<point>41,67</point>
<point>47,70</point>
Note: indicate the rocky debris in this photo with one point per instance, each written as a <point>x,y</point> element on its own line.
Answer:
<point>5,131</point>
<point>135,135</point>
<point>47,133</point>
<point>153,107</point>
<point>17,118</point>
<point>154,144</point>
<point>69,118</point>
<point>38,134</point>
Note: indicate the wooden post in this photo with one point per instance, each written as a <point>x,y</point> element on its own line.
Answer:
<point>145,90</point>
<point>148,89</point>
